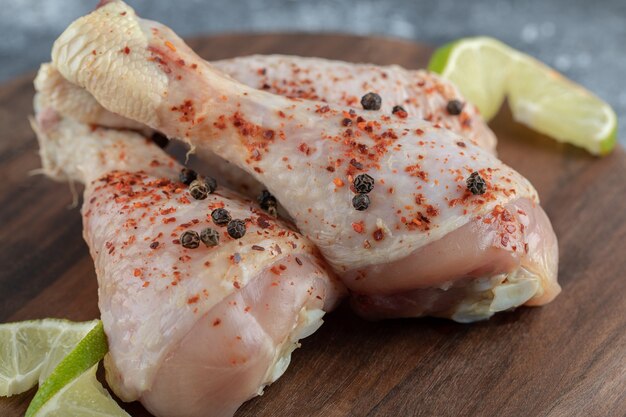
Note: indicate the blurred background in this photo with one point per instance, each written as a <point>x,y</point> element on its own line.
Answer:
<point>586,40</point>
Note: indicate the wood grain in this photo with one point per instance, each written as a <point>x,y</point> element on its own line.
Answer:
<point>565,359</point>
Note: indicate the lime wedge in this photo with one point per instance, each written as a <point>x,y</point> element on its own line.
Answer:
<point>84,396</point>
<point>486,71</point>
<point>30,350</point>
<point>72,388</point>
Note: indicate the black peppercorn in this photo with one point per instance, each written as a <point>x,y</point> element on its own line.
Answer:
<point>361,202</point>
<point>363,183</point>
<point>202,186</point>
<point>190,239</point>
<point>397,109</point>
<point>454,107</point>
<point>476,184</point>
<point>371,101</point>
<point>210,237</point>
<point>266,199</point>
<point>160,139</point>
<point>236,228</point>
<point>211,183</point>
<point>268,202</point>
<point>220,216</point>
<point>187,176</point>
<point>198,189</point>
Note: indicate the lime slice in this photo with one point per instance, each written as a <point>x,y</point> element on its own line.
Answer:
<point>30,350</point>
<point>72,388</point>
<point>486,71</point>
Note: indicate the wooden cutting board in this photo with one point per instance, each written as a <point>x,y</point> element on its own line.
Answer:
<point>564,359</point>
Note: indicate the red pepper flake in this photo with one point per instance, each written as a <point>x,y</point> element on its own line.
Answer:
<point>126,50</point>
<point>170,46</point>
<point>338,182</point>
<point>358,227</point>
<point>356,164</point>
<point>187,109</point>
<point>257,247</point>
<point>154,245</point>
<point>193,300</point>
<point>145,284</point>
<point>236,284</point>
<point>220,123</point>
<point>268,134</point>
<point>275,270</point>
<point>263,221</point>
<point>419,132</point>
<point>137,272</point>
<point>415,171</point>
<point>323,109</point>
<point>432,211</point>
<point>304,148</point>
<point>216,322</point>
<point>378,235</point>
<point>169,220</point>
<point>461,144</point>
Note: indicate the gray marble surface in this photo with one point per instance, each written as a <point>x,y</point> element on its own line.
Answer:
<point>584,39</point>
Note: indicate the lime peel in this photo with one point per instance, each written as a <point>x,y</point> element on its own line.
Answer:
<point>89,351</point>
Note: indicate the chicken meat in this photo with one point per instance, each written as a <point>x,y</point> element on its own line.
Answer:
<point>196,324</point>
<point>416,219</point>
<point>417,93</point>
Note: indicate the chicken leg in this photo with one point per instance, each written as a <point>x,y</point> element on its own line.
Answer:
<point>192,331</point>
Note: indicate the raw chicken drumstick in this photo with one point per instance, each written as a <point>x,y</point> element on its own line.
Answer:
<point>421,94</point>
<point>191,331</point>
<point>415,219</point>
